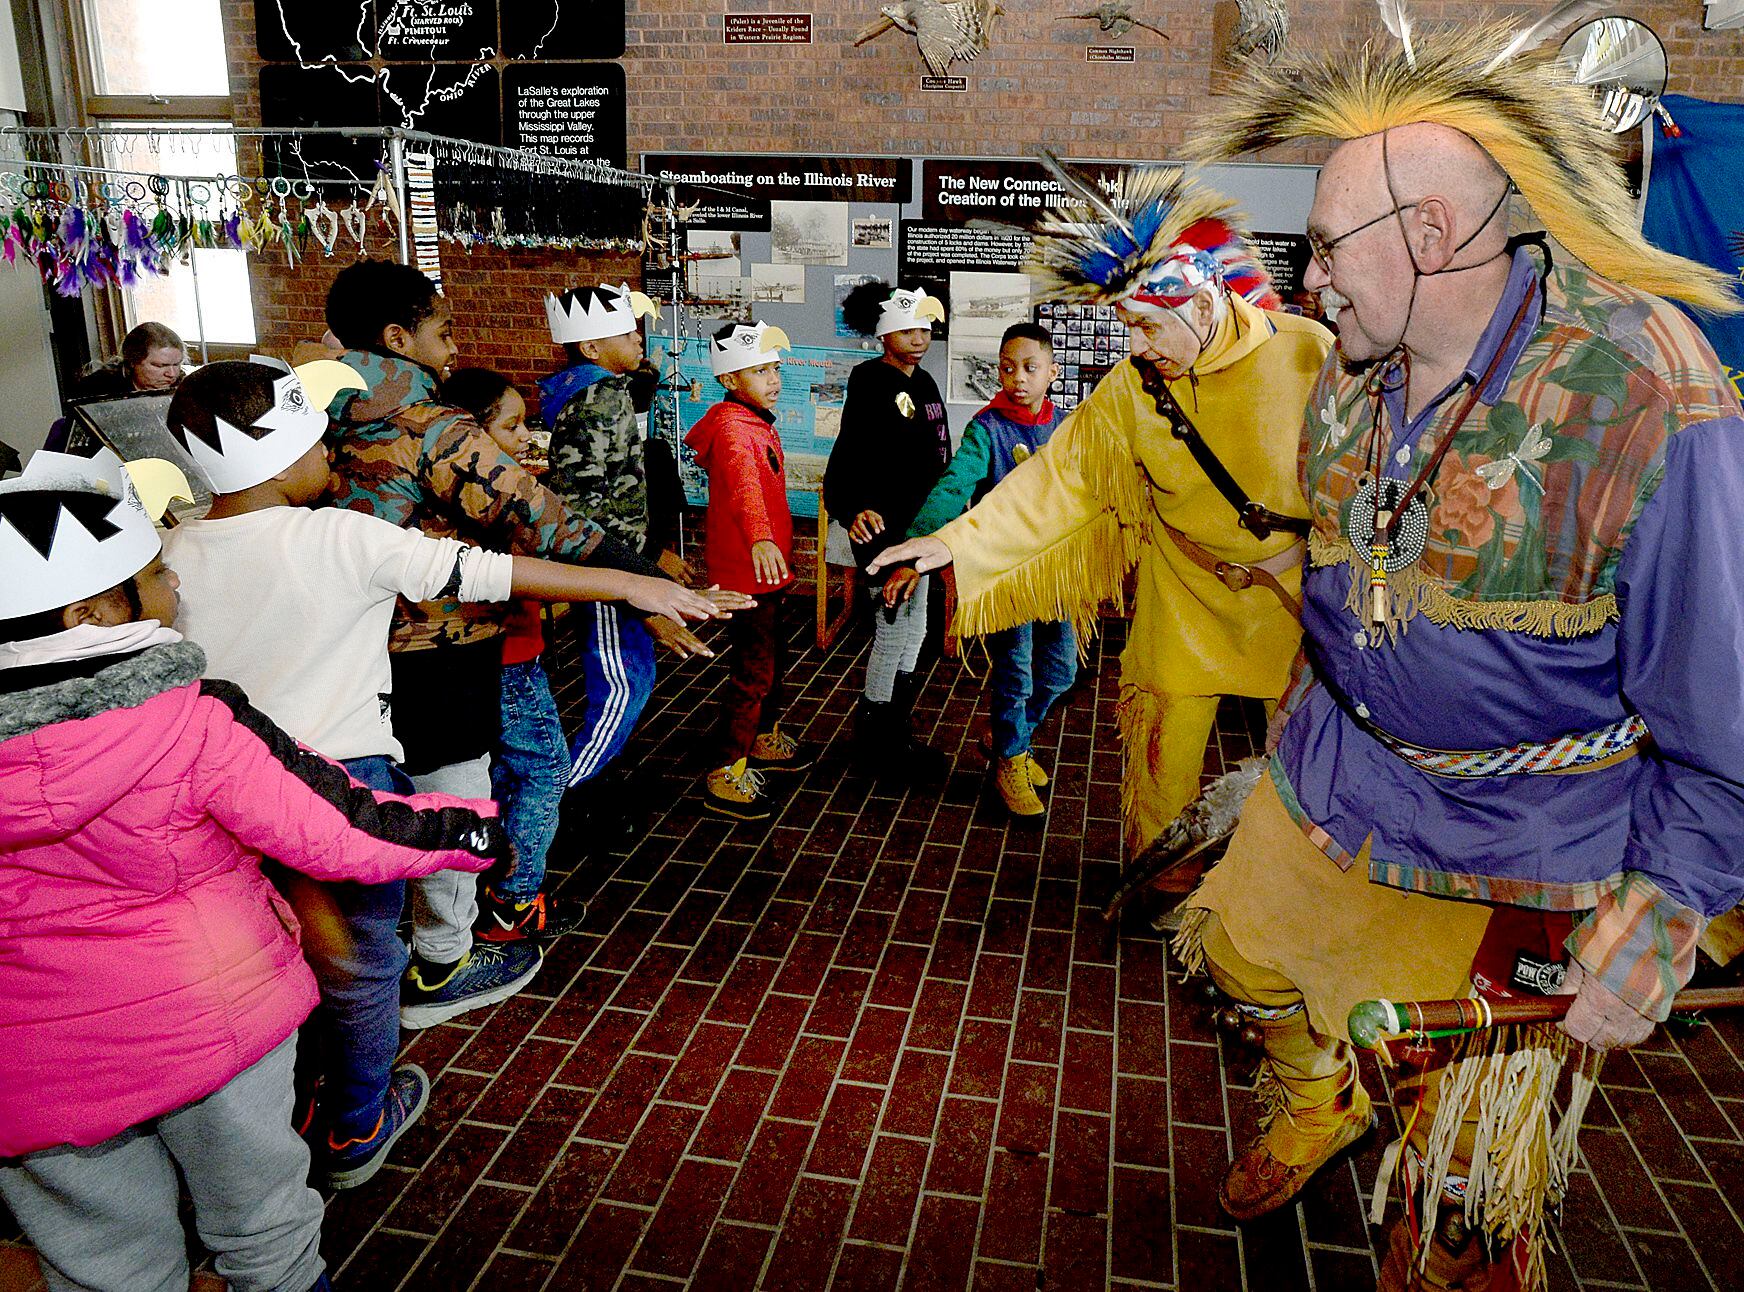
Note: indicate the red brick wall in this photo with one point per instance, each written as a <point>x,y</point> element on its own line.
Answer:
<point>1031,88</point>
<point>497,297</point>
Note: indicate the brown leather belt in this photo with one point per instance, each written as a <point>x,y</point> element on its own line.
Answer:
<point>1238,577</point>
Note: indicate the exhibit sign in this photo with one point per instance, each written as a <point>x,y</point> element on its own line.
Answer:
<point>569,110</point>
<point>314,32</point>
<point>710,183</point>
<point>1285,256</point>
<point>766,29</point>
<point>485,70</point>
<point>1015,189</point>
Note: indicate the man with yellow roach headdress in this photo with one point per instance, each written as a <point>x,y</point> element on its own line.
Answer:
<point>1182,463</point>
<point>1513,751</point>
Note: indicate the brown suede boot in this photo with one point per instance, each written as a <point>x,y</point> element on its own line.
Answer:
<point>1258,1182</point>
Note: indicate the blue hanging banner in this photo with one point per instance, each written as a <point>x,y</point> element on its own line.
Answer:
<point>1695,205</point>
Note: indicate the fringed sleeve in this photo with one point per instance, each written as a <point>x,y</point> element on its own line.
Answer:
<point>1058,535</point>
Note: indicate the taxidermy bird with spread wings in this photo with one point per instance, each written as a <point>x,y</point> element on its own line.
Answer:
<point>1115,18</point>
<point>947,30</point>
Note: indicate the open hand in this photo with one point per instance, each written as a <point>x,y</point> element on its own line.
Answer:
<point>867,526</point>
<point>768,562</point>
<point>664,597</point>
<point>926,553</point>
<point>677,638</point>
<point>729,601</point>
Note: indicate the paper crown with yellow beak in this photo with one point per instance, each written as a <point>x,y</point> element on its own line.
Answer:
<point>746,347</point>
<point>909,307</point>
<point>595,313</point>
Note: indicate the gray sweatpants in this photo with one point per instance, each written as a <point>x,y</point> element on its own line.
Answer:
<point>896,643</point>
<point>444,905</point>
<point>104,1218</point>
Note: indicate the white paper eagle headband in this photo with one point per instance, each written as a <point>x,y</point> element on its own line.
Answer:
<point>746,347</point>
<point>595,313</point>
<point>72,527</point>
<point>908,308</point>
<point>243,423</point>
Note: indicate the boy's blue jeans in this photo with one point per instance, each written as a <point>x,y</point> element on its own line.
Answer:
<point>529,774</point>
<point>1032,666</point>
<point>617,667</point>
<point>352,943</point>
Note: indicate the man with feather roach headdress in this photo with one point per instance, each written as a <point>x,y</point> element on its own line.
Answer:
<point>1181,464</point>
<point>1513,756</point>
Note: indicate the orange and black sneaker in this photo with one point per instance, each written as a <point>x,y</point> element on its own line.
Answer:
<point>540,917</point>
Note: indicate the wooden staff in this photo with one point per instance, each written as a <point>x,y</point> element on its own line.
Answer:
<point>1371,1020</point>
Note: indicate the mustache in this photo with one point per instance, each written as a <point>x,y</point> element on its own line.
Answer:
<point>1332,300</point>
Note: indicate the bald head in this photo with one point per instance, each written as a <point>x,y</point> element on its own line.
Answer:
<point>1412,258</point>
<point>1440,173</point>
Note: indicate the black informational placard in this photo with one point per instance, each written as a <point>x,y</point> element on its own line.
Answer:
<point>334,95</point>
<point>940,248</point>
<point>435,62</point>
<point>1285,256</point>
<point>573,110</point>
<point>310,31</point>
<point>763,178</point>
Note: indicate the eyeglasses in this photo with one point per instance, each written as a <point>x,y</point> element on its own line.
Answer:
<point>1322,247</point>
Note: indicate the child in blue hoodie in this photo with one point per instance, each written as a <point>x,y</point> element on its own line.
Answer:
<point>1032,664</point>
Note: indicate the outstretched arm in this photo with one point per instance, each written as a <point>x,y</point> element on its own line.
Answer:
<point>1053,540</point>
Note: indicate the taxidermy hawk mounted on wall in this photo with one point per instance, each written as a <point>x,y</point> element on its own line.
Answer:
<point>947,30</point>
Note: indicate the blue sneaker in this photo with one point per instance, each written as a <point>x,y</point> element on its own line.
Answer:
<point>433,993</point>
<point>348,1163</point>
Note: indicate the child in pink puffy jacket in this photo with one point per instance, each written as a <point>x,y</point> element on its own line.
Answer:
<point>151,983</point>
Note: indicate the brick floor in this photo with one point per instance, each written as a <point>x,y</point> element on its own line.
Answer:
<point>887,1041</point>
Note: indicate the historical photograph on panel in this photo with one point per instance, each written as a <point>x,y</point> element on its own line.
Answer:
<point>974,367</point>
<point>873,232</point>
<point>809,233</point>
<point>988,302</point>
<point>778,284</point>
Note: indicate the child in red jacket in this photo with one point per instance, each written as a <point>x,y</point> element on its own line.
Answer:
<point>750,539</point>
<point>151,984</point>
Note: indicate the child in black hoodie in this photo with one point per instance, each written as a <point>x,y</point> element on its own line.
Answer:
<point>893,446</point>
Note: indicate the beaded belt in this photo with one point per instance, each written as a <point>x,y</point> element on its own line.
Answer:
<point>1598,748</point>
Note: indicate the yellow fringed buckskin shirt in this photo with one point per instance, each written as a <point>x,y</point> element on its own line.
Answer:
<point>1058,535</point>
